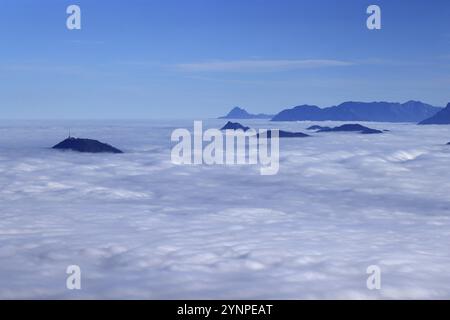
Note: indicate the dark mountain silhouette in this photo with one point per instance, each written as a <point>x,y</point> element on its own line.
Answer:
<point>234,126</point>
<point>316,127</point>
<point>411,111</point>
<point>239,113</point>
<point>287,134</point>
<point>442,117</point>
<point>281,134</point>
<point>351,128</point>
<point>85,145</point>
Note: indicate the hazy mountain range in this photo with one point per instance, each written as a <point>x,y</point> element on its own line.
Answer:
<point>442,117</point>
<point>411,111</point>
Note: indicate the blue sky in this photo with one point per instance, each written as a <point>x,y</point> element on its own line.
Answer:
<point>199,58</point>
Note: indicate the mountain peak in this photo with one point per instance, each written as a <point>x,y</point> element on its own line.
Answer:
<point>238,109</point>
<point>241,113</point>
<point>234,126</point>
<point>85,145</point>
<point>413,102</point>
<point>442,117</point>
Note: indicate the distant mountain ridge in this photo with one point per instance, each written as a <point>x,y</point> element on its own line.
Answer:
<point>281,134</point>
<point>240,113</point>
<point>442,117</point>
<point>411,111</point>
<point>352,127</point>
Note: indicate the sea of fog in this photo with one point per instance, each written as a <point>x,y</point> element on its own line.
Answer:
<point>140,227</point>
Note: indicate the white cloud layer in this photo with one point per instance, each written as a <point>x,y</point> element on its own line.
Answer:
<point>140,227</point>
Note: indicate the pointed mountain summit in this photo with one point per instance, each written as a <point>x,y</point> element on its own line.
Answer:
<point>234,126</point>
<point>240,113</point>
<point>86,145</point>
<point>442,117</point>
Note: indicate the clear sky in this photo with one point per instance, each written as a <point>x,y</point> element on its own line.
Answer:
<point>199,58</point>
